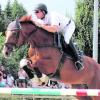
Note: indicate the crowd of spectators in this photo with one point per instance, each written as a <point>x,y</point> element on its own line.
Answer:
<point>22,80</point>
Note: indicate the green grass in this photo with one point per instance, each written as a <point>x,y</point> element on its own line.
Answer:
<point>35,97</point>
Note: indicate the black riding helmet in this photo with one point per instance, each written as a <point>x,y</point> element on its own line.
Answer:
<point>41,7</point>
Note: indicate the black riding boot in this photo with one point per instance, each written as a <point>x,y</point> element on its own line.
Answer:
<point>77,58</point>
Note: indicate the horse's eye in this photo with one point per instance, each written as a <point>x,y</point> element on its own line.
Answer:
<point>14,34</point>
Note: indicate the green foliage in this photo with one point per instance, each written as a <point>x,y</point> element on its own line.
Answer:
<point>8,10</point>
<point>17,10</point>
<point>2,22</point>
<point>1,41</point>
<point>84,25</point>
<point>7,14</point>
<point>0,10</point>
<point>10,13</point>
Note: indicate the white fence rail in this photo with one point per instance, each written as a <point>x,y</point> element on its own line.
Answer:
<point>55,94</point>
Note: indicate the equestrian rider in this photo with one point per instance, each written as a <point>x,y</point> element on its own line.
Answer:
<point>56,23</point>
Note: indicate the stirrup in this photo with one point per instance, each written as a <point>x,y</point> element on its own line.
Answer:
<point>79,66</point>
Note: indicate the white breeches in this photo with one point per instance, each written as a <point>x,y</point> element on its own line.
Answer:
<point>68,31</point>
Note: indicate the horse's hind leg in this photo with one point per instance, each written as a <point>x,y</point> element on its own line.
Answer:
<point>95,83</point>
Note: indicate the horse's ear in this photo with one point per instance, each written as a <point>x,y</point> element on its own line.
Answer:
<point>17,20</point>
<point>18,23</point>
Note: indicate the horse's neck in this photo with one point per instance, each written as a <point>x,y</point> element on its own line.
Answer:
<point>37,36</point>
<point>41,38</point>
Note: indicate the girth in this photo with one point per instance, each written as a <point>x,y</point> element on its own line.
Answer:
<point>60,65</point>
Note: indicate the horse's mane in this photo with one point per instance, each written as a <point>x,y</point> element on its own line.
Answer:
<point>26,19</point>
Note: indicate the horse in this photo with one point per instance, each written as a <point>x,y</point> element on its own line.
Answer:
<point>47,57</point>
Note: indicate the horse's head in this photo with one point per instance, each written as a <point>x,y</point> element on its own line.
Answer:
<point>18,32</point>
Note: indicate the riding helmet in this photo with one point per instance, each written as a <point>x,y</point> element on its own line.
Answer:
<point>42,7</point>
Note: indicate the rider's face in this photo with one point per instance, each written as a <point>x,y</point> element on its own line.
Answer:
<point>39,14</point>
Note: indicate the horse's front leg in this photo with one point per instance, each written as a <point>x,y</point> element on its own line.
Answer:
<point>43,78</point>
<point>34,74</point>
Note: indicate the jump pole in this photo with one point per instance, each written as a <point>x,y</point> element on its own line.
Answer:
<point>52,92</point>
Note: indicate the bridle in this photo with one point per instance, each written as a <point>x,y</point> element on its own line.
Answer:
<point>10,45</point>
<point>18,30</point>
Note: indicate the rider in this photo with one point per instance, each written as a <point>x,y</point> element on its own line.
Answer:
<point>56,23</point>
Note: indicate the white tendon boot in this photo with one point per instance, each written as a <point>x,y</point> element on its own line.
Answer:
<point>35,80</point>
<point>44,79</point>
<point>23,63</point>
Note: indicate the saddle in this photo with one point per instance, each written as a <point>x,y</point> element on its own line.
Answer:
<point>60,43</point>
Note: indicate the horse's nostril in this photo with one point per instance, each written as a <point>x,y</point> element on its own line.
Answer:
<point>43,83</point>
<point>6,53</point>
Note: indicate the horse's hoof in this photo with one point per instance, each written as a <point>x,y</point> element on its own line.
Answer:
<point>44,79</point>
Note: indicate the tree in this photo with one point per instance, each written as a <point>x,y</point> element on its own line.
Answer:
<point>8,10</point>
<point>84,25</point>
<point>11,12</point>
<point>0,10</point>
<point>2,20</point>
<point>99,33</point>
<point>7,15</point>
<point>17,10</point>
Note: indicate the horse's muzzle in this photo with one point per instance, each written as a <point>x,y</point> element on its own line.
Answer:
<point>6,52</point>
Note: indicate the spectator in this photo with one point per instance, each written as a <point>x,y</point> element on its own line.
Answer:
<point>2,82</point>
<point>10,80</point>
<point>2,68</point>
<point>22,81</point>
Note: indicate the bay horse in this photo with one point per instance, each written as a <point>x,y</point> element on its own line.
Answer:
<point>47,57</point>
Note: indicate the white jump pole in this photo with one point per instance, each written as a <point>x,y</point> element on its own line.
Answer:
<point>95,31</point>
<point>52,92</point>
